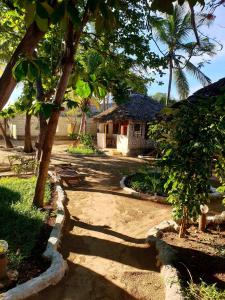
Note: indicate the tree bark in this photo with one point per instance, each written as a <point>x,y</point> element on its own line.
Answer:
<point>25,47</point>
<point>170,79</point>
<point>83,124</point>
<point>27,138</point>
<point>8,143</point>
<point>53,121</point>
<point>42,121</point>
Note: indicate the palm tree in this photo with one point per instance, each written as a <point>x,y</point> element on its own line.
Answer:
<point>175,32</point>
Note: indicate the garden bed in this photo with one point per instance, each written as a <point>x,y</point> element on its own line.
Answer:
<point>145,184</point>
<point>24,227</point>
<point>201,261</point>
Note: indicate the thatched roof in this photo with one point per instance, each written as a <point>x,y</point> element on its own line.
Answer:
<point>137,108</point>
<point>212,90</point>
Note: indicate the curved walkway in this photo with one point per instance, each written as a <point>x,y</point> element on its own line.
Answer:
<point>104,236</point>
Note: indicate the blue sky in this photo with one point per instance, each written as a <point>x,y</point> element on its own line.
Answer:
<point>215,70</point>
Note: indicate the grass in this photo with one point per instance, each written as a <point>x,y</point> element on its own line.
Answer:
<point>83,150</point>
<point>204,292</point>
<point>20,222</point>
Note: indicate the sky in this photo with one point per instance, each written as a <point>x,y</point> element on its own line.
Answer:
<point>215,70</point>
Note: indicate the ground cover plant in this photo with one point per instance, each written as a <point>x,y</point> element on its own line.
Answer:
<point>204,292</point>
<point>147,180</point>
<point>20,221</point>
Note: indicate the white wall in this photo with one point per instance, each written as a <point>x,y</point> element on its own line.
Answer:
<point>17,127</point>
<point>101,140</point>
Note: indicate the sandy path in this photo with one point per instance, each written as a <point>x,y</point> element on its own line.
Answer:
<point>103,239</point>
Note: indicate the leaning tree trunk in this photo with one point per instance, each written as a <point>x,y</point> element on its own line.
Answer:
<point>42,121</point>
<point>8,143</point>
<point>170,79</point>
<point>53,121</point>
<point>25,47</point>
<point>27,138</point>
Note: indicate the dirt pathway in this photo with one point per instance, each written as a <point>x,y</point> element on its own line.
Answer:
<point>104,237</point>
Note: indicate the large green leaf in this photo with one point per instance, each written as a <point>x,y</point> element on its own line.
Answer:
<point>33,72</point>
<point>20,70</point>
<point>83,89</point>
<point>41,23</point>
<point>30,13</point>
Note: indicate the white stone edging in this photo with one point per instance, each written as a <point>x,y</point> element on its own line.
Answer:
<point>158,199</point>
<point>166,257</point>
<point>58,266</point>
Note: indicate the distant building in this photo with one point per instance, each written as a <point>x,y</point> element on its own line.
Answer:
<point>124,127</point>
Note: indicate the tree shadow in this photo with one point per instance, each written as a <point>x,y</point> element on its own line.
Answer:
<point>81,283</point>
<point>201,266</point>
<point>104,229</point>
<point>143,258</point>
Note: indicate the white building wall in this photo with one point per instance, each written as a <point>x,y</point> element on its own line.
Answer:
<point>17,127</point>
<point>101,140</point>
<point>122,144</point>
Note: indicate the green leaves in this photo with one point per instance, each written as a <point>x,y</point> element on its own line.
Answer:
<point>20,70</point>
<point>74,15</point>
<point>83,89</point>
<point>30,69</point>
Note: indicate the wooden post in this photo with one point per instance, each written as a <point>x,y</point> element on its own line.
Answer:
<point>202,217</point>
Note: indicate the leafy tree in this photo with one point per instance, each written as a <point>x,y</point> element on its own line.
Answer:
<point>118,16</point>
<point>162,98</point>
<point>175,32</point>
<point>190,135</point>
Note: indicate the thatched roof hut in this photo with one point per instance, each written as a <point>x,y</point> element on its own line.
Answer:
<point>137,108</point>
<point>210,91</point>
<point>125,127</point>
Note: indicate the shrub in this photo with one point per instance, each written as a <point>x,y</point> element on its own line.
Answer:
<point>148,180</point>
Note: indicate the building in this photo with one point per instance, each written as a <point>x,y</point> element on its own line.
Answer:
<point>124,127</point>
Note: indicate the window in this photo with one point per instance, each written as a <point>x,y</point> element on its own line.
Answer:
<point>137,129</point>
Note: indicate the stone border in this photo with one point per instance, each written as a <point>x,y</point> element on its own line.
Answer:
<point>157,199</point>
<point>166,258</point>
<point>58,266</point>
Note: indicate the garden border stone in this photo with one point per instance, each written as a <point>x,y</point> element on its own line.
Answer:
<point>157,199</point>
<point>58,266</point>
<point>166,258</point>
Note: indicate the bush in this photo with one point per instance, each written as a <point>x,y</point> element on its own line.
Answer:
<point>147,180</point>
<point>83,139</point>
<point>20,222</point>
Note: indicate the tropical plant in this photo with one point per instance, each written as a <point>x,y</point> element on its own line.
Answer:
<point>190,136</point>
<point>175,32</point>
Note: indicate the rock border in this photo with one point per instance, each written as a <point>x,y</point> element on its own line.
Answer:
<point>166,258</point>
<point>157,199</point>
<point>58,266</point>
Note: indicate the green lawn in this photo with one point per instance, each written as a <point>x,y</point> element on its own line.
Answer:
<point>20,222</point>
<point>82,150</point>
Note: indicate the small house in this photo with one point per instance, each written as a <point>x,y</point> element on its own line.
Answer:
<point>125,127</point>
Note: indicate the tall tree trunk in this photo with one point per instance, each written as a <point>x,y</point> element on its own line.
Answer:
<point>27,138</point>
<point>25,47</point>
<point>8,143</point>
<point>83,123</point>
<point>42,121</point>
<point>170,79</point>
<point>53,121</point>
